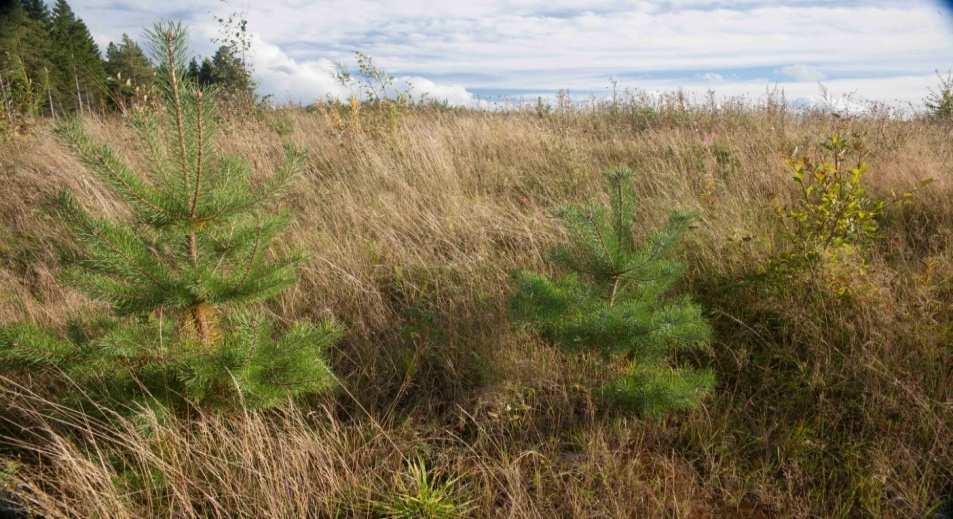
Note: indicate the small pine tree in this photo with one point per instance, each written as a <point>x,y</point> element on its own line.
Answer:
<point>178,274</point>
<point>614,301</point>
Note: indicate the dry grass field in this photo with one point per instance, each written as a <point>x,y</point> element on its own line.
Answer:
<point>835,386</point>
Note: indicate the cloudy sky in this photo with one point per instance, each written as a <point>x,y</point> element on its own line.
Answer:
<point>467,50</point>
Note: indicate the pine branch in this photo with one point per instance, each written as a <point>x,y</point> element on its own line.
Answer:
<point>119,176</point>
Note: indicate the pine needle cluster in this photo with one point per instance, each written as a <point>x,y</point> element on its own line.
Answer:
<point>614,301</point>
<point>181,273</point>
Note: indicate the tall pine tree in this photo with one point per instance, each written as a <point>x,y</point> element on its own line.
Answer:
<point>614,300</point>
<point>180,274</point>
<point>78,73</point>
<point>24,58</point>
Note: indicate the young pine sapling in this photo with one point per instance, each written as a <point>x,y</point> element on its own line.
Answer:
<point>180,274</point>
<point>614,300</point>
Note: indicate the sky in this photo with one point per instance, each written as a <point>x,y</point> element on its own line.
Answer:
<point>474,52</point>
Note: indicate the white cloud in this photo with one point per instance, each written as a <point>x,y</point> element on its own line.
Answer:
<point>311,80</point>
<point>456,95</point>
<point>551,44</point>
<point>802,73</point>
<point>291,80</point>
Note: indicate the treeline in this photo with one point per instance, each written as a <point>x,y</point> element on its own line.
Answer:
<point>51,65</point>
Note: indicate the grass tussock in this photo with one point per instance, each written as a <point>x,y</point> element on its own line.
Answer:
<point>835,385</point>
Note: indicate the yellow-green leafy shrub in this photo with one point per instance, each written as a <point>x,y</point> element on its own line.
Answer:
<point>833,207</point>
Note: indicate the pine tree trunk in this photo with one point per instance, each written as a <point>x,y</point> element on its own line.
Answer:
<point>49,95</point>
<point>79,96</point>
<point>201,323</point>
<point>3,90</point>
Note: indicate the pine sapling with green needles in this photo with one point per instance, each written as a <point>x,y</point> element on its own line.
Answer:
<point>181,273</point>
<point>614,300</point>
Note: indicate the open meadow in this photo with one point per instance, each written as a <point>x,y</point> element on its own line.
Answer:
<point>834,376</point>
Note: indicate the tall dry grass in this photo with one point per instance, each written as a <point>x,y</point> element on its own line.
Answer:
<point>826,406</point>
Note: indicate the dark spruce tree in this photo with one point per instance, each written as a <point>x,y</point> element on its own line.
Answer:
<point>193,72</point>
<point>181,276</point>
<point>614,300</point>
<point>77,67</point>
<point>38,10</point>
<point>130,75</point>
<point>229,73</point>
<point>226,71</point>
<point>24,60</point>
<point>201,74</point>
<point>127,60</point>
